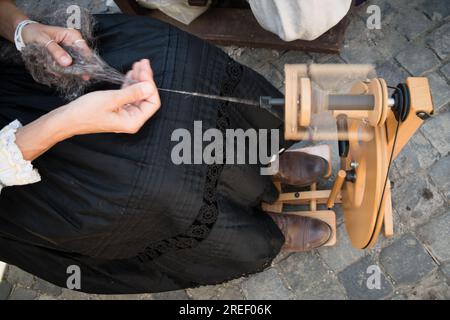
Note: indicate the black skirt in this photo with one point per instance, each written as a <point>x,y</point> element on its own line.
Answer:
<point>115,205</point>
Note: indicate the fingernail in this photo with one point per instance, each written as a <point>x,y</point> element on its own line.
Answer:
<point>65,60</point>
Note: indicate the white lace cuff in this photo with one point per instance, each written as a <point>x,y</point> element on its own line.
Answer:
<point>14,170</point>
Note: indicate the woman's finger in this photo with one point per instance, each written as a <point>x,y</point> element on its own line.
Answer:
<point>134,93</point>
<point>148,67</point>
<point>82,47</point>
<point>148,109</point>
<point>59,54</point>
<point>145,73</point>
<point>128,79</point>
<point>135,70</point>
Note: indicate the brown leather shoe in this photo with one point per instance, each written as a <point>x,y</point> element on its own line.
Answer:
<point>300,168</point>
<point>301,233</point>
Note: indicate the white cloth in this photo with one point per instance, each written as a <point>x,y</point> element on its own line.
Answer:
<point>14,170</point>
<point>177,9</point>
<point>299,19</point>
<point>289,19</point>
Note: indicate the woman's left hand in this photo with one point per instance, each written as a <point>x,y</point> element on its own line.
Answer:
<point>52,37</point>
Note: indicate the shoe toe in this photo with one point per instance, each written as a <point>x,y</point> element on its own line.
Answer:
<point>319,232</point>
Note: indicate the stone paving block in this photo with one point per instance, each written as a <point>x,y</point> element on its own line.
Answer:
<point>399,296</point>
<point>402,4</point>
<point>319,57</point>
<point>392,73</point>
<point>203,292</point>
<point>171,295</point>
<point>387,9</point>
<point>230,292</point>
<point>418,154</point>
<point>387,41</point>
<point>412,23</point>
<point>356,30</point>
<point>20,293</point>
<point>364,53</point>
<point>272,74</point>
<point>435,234</point>
<point>291,57</point>
<point>436,10</point>
<point>440,90</point>
<point>355,279</point>
<point>266,285</point>
<point>433,287</point>
<point>5,290</point>
<point>329,289</point>
<point>445,269</point>
<point>47,287</point>
<point>256,57</point>
<point>146,296</point>
<point>406,260</point>
<point>435,130</point>
<point>384,43</point>
<point>309,278</point>
<point>416,199</point>
<point>439,173</point>
<point>357,47</point>
<point>16,275</point>
<point>45,297</point>
<point>446,70</point>
<point>75,295</point>
<point>439,40</point>
<point>417,59</point>
<point>341,255</point>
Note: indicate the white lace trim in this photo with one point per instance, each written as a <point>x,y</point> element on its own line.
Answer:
<point>14,170</point>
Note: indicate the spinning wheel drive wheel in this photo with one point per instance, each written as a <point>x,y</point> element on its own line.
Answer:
<point>367,163</point>
<point>361,197</point>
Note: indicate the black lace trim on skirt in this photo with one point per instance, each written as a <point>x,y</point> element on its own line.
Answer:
<point>208,213</point>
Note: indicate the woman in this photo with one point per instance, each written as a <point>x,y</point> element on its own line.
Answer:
<point>115,205</point>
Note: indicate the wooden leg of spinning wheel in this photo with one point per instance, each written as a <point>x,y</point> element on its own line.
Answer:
<point>313,203</point>
<point>340,178</point>
<point>388,218</point>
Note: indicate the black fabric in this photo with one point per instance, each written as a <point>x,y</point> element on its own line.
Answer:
<point>115,204</point>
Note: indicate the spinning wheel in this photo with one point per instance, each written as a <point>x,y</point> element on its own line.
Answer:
<point>372,128</point>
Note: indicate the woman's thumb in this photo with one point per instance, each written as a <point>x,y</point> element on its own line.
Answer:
<point>134,93</point>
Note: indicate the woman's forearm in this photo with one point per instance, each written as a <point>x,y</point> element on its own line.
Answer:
<point>10,17</point>
<point>40,135</point>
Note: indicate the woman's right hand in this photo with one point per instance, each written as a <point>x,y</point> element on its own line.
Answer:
<point>121,111</point>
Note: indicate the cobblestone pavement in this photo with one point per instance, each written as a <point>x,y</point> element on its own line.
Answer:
<point>415,263</point>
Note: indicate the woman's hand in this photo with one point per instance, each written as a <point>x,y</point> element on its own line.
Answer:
<point>121,111</point>
<point>52,37</point>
